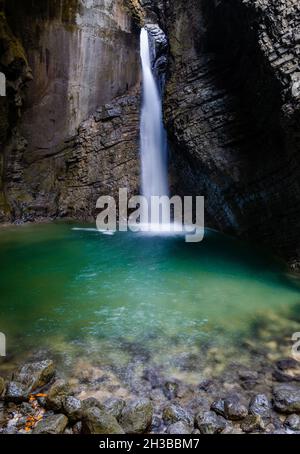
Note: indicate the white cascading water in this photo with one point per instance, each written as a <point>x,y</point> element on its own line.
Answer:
<point>153,136</point>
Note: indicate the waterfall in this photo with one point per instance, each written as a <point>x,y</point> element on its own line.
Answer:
<point>153,137</point>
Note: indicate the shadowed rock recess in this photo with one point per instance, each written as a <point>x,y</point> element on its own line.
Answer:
<point>231,109</point>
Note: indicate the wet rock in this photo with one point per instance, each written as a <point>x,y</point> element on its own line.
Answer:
<point>137,416</point>
<point>179,428</point>
<point>252,423</point>
<point>174,413</point>
<point>2,386</point>
<point>245,375</point>
<point>114,406</point>
<point>293,422</point>
<point>279,432</point>
<point>234,409</point>
<point>260,405</point>
<point>91,402</point>
<point>287,370</point>
<point>210,423</point>
<point>152,377</point>
<point>218,406</point>
<point>54,424</point>
<point>57,394</point>
<point>77,428</point>
<point>157,423</point>
<point>26,409</point>
<point>35,375</point>
<point>197,402</point>
<point>248,379</point>
<point>72,408</point>
<point>10,430</point>
<point>287,398</point>
<point>98,421</point>
<point>288,363</point>
<point>16,392</point>
<point>2,414</point>
<point>171,390</point>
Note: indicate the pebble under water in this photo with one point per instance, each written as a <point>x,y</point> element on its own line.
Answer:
<point>71,290</point>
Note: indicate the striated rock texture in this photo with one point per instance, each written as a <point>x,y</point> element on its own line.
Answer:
<point>63,154</point>
<point>232,111</point>
<point>101,158</point>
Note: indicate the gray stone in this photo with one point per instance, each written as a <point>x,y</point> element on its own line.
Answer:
<point>171,389</point>
<point>98,421</point>
<point>72,408</point>
<point>287,398</point>
<point>26,409</point>
<point>252,423</point>
<point>114,406</point>
<point>77,428</point>
<point>218,406</point>
<point>16,392</point>
<point>35,375</point>
<point>293,422</point>
<point>179,428</point>
<point>174,413</point>
<point>54,424</point>
<point>234,409</point>
<point>210,423</point>
<point>137,416</point>
<point>57,394</point>
<point>260,405</point>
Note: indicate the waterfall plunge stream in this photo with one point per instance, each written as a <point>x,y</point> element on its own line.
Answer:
<point>153,136</point>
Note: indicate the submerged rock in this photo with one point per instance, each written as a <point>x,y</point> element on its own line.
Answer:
<point>179,428</point>
<point>98,421</point>
<point>57,395</point>
<point>287,398</point>
<point>54,424</point>
<point>252,423</point>
<point>72,408</point>
<point>171,390</point>
<point>114,406</point>
<point>293,422</point>
<point>175,413</point>
<point>137,416</point>
<point>210,423</point>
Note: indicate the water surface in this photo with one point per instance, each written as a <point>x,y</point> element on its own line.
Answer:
<point>63,286</point>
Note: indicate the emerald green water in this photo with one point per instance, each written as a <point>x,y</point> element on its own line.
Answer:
<point>61,286</point>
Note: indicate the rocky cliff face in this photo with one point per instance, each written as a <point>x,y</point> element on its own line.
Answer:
<point>83,55</point>
<point>232,111</point>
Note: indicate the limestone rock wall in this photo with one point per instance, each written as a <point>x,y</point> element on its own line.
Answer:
<point>232,111</point>
<point>84,56</point>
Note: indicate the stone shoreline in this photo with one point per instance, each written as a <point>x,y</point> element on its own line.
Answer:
<point>36,400</point>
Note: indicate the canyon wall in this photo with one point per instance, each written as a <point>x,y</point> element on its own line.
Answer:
<point>76,135</point>
<point>232,111</point>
